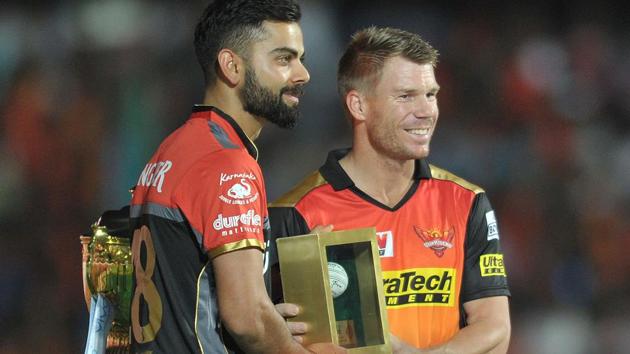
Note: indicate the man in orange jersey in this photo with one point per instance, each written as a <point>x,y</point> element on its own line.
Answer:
<point>199,210</point>
<point>444,280</point>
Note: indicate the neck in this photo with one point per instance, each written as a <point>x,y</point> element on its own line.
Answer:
<point>226,100</point>
<point>381,177</point>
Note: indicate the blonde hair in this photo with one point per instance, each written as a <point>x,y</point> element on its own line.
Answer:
<point>362,63</point>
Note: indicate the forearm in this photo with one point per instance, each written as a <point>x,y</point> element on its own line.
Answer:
<point>488,331</point>
<point>245,309</point>
<point>483,337</point>
<point>263,331</point>
<point>470,340</point>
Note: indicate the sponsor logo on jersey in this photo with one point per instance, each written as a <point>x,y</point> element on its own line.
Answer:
<point>385,241</point>
<point>493,229</point>
<point>419,287</point>
<point>437,240</point>
<point>240,192</point>
<point>492,265</point>
<point>246,222</point>
<point>153,174</point>
<point>228,177</point>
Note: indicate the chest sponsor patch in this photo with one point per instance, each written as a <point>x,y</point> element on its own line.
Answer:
<point>437,240</point>
<point>237,188</point>
<point>491,265</point>
<point>419,287</point>
<point>385,241</point>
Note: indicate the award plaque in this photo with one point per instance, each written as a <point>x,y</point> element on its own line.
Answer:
<point>335,278</point>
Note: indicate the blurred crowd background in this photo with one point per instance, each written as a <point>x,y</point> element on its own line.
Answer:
<point>535,108</point>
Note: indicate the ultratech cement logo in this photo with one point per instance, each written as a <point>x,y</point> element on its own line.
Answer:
<point>492,265</point>
<point>419,287</point>
<point>438,241</point>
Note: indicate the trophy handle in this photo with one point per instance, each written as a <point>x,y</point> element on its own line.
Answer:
<point>85,255</point>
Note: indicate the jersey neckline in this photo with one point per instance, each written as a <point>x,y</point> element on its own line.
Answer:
<point>245,140</point>
<point>339,179</point>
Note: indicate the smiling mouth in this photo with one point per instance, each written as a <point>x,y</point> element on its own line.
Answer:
<point>418,131</point>
<point>293,93</point>
<point>291,98</point>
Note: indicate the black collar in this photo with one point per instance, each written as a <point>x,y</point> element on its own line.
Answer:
<point>247,142</point>
<point>339,179</point>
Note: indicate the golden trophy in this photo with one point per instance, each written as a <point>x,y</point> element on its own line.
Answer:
<point>107,283</point>
<point>335,277</point>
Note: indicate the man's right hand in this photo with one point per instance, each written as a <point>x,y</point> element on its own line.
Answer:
<point>298,329</point>
<point>326,348</point>
<point>320,229</point>
<point>400,347</point>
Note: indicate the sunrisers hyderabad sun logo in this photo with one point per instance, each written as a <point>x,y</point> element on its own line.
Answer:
<point>438,241</point>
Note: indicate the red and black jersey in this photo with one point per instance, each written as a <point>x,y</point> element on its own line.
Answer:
<point>200,195</point>
<point>439,246</point>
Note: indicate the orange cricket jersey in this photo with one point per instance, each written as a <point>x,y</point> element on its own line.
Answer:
<point>439,246</point>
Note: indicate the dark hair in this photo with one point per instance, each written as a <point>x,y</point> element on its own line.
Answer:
<point>361,65</point>
<point>235,24</point>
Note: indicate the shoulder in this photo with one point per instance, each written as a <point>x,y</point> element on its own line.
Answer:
<point>308,184</point>
<point>441,174</point>
<point>221,169</point>
<point>227,159</point>
<point>196,143</point>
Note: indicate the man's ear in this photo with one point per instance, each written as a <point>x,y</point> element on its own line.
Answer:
<point>230,67</point>
<point>356,105</point>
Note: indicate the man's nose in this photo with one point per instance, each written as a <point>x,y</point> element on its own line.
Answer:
<point>300,74</point>
<point>425,107</point>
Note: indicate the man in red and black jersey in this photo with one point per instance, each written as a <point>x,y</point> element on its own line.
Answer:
<point>444,279</point>
<point>198,211</point>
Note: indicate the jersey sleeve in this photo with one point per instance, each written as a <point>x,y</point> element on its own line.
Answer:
<point>484,269</point>
<point>285,221</point>
<point>222,196</point>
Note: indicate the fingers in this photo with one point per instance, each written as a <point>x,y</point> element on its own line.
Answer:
<point>319,229</point>
<point>396,343</point>
<point>400,347</point>
<point>297,328</point>
<point>326,348</point>
<point>287,310</point>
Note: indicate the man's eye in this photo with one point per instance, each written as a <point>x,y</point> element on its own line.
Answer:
<point>284,59</point>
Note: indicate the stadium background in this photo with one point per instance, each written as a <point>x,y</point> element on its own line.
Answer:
<point>535,107</point>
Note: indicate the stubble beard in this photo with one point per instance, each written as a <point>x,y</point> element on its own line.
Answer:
<point>386,141</point>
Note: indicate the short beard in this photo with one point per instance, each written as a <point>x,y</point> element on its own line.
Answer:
<point>261,101</point>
